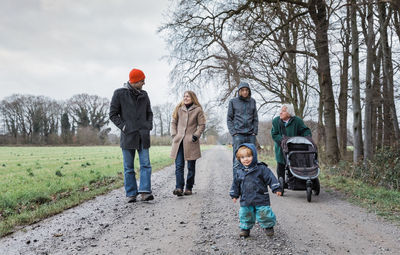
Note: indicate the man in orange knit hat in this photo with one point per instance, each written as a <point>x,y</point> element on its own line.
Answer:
<point>130,111</point>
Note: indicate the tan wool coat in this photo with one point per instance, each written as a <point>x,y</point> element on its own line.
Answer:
<point>190,122</point>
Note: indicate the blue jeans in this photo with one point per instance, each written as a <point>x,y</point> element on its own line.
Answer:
<point>238,140</point>
<point>129,172</point>
<point>263,214</point>
<point>180,168</point>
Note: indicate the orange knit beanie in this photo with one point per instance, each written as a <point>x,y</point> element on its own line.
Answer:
<point>136,75</point>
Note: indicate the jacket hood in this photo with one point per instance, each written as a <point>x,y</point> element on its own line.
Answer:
<point>243,84</point>
<point>127,86</point>
<point>252,147</point>
<point>134,90</point>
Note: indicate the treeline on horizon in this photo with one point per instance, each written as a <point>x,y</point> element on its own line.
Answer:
<point>84,120</point>
<point>29,119</point>
<point>81,120</point>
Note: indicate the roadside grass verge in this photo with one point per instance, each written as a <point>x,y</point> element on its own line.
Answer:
<point>37,182</point>
<point>379,200</point>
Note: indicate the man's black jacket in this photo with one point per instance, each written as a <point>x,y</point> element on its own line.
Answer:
<point>130,111</point>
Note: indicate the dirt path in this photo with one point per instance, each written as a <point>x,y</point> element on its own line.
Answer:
<point>205,223</point>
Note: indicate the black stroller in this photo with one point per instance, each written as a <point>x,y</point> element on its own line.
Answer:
<point>302,170</point>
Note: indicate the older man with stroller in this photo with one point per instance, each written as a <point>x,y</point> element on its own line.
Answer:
<point>286,124</point>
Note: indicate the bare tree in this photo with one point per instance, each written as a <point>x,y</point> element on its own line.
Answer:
<point>319,16</point>
<point>369,90</point>
<point>377,115</point>
<point>35,119</point>
<point>200,46</point>
<point>162,118</point>
<point>213,126</point>
<point>344,83</point>
<point>166,112</point>
<point>157,120</point>
<point>89,110</point>
<point>391,125</point>
<point>276,55</point>
<point>12,110</point>
<point>66,134</point>
<point>357,123</point>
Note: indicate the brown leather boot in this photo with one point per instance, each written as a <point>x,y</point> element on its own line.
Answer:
<point>244,232</point>
<point>177,192</point>
<point>269,231</point>
<point>187,192</point>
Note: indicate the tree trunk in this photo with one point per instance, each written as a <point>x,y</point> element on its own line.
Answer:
<point>357,123</point>
<point>388,129</point>
<point>380,121</point>
<point>154,129</point>
<point>318,14</point>
<point>344,86</point>
<point>377,97</point>
<point>391,126</point>
<point>321,128</point>
<point>396,22</point>
<point>370,40</point>
<point>161,125</point>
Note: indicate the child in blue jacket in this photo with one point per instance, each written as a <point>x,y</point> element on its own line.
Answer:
<point>250,185</point>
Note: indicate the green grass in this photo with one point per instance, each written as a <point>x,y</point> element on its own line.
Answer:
<point>268,159</point>
<point>381,201</point>
<point>36,182</point>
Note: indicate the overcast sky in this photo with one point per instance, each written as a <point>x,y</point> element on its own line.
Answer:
<point>59,48</point>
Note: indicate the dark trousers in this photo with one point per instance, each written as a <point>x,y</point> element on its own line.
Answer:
<point>280,170</point>
<point>180,169</point>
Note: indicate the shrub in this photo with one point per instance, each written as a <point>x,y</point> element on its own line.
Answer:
<point>383,171</point>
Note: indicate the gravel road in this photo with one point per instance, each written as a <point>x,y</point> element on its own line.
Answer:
<point>205,223</point>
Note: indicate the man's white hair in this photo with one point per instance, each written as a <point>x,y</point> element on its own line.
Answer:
<point>289,109</point>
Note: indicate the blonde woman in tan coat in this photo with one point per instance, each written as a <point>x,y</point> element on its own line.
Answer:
<point>187,125</point>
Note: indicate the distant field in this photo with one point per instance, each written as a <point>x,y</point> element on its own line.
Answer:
<point>269,159</point>
<point>36,182</point>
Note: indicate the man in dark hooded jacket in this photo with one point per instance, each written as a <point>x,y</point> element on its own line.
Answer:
<point>130,111</point>
<point>242,120</point>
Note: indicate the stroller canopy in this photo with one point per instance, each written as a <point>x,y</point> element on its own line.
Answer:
<point>297,140</point>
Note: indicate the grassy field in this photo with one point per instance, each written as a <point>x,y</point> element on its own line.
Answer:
<point>36,182</point>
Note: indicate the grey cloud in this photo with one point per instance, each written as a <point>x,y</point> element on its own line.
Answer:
<point>60,48</point>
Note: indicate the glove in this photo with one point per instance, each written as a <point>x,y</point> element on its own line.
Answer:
<point>194,138</point>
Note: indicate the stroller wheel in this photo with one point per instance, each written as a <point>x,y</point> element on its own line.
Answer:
<point>316,187</point>
<point>282,183</point>
<point>309,192</point>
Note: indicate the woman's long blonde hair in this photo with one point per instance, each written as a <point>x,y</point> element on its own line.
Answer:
<point>194,100</point>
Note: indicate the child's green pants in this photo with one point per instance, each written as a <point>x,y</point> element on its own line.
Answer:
<point>263,214</point>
